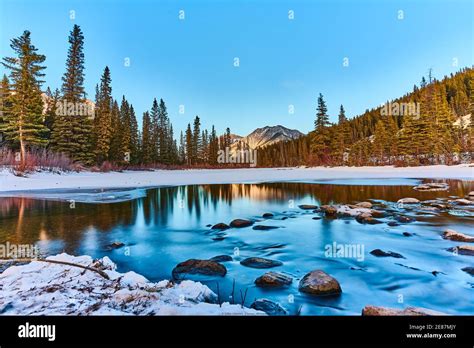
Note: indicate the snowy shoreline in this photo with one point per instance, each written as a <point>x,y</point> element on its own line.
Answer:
<point>143,179</point>
<point>42,288</point>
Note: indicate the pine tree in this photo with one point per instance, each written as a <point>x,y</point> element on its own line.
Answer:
<point>134,138</point>
<point>72,132</point>
<point>342,115</point>
<point>321,136</point>
<point>50,117</point>
<point>115,149</point>
<point>165,142</point>
<point>147,146</point>
<point>197,140</point>
<point>213,147</point>
<point>103,117</point>
<point>23,123</point>
<point>155,131</point>
<point>182,148</point>
<point>126,131</point>
<point>189,145</point>
<point>5,104</point>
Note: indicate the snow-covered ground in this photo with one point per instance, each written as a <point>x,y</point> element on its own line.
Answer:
<point>41,288</point>
<point>85,180</point>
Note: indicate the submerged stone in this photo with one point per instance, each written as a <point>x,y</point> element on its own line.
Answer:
<point>239,223</point>
<point>260,262</point>
<point>318,282</point>
<point>195,266</point>
<point>269,307</point>
<point>273,280</point>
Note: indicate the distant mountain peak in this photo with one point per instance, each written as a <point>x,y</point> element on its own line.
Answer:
<point>268,135</point>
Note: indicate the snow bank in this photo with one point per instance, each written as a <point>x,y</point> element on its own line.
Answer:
<point>88,180</point>
<point>42,288</point>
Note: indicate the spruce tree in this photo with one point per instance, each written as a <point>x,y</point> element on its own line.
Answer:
<point>72,131</point>
<point>23,123</point>
<point>147,146</point>
<point>197,140</point>
<point>189,145</point>
<point>103,117</point>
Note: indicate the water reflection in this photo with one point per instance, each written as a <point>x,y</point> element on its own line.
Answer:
<point>170,225</point>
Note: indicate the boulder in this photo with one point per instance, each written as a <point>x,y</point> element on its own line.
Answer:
<point>462,201</point>
<point>273,280</point>
<point>381,253</point>
<point>195,266</point>
<point>407,234</point>
<point>220,226</point>
<point>260,262</point>
<point>329,210</point>
<point>409,311</point>
<point>221,258</point>
<point>239,223</point>
<point>267,215</point>
<point>318,282</point>
<point>469,270</point>
<point>263,227</point>
<point>115,245</point>
<point>269,307</point>
<point>432,186</point>
<point>463,250</point>
<point>403,219</point>
<point>367,205</point>
<point>366,218</point>
<point>308,206</point>
<point>408,200</point>
<point>457,236</point>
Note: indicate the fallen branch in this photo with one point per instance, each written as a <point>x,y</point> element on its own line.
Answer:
<point>102,273</point>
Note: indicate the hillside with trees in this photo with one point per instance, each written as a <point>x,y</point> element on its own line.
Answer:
<point>104,134</point>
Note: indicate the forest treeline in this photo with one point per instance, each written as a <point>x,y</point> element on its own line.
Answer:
<point>429,125</point>
<point>102,132</point>
<point>418,128</point>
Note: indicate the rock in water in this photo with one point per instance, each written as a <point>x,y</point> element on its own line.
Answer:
<point>259,262</point>
<point>269,307</point>
<point>329,210</point>
<point>318,282</point>
<point>381,253</point>
<point>308,206</point>
<point>457,236</point>
<point>408,200</point>
<point>115,245</point>
<point>220,226</point>
<point>367,205</point>
<point>432,186</point>
<point>462,201</point>
<point>221,258</point>
<point>267,215</point>
<point>469,270</point>
<point>463,250</point>
<point>238,223</point>
<point>366,218</point>
<point>409,311</point>
<point>403,219</point>
<point>273,280</point>
<point>194,266</point>
<point>263,227</point>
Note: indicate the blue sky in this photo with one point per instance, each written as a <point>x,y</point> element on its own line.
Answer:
<point>283,62</point>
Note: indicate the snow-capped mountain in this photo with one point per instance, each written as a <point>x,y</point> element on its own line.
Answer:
<point>269,135</point>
